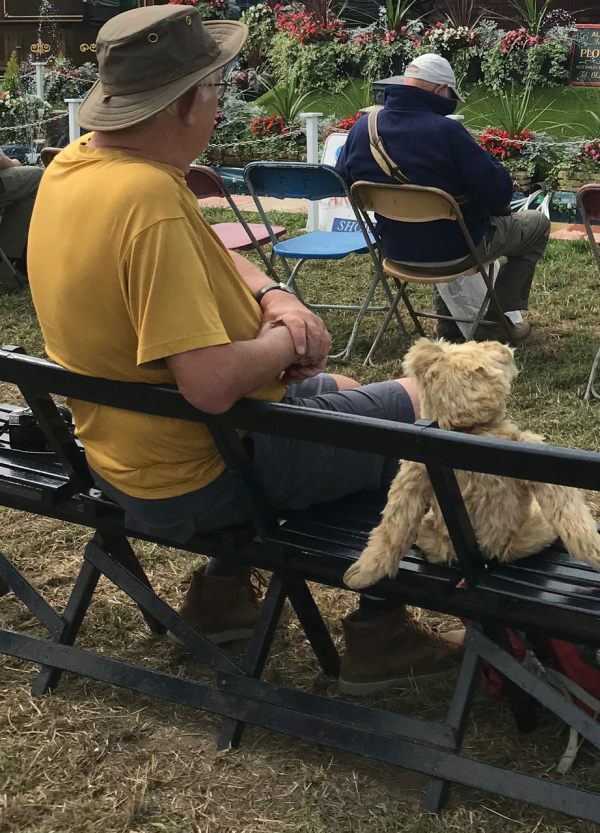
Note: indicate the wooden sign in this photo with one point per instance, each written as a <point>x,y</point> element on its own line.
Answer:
<point>584,70</point>
<point>30,10</point>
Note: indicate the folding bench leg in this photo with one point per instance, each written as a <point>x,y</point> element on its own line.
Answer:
<point>258,649</point>
<point>257,652</point>
<point>120,549</point>
<point>437,790</point>
<point>12,579</point>
<point>79,601</point>
<point>314,627</point>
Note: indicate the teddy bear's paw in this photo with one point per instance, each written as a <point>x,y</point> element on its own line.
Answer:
<point>364,573</point>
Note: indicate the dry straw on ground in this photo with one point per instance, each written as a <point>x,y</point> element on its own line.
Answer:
<point>94,759</point>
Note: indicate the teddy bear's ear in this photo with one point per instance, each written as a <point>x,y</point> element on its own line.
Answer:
<point>421,356</point>
<point>502,355</point>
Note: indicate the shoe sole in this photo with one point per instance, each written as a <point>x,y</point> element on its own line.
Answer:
<point>379,686</point>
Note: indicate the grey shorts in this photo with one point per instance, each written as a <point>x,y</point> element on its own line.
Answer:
<point>294,473</point>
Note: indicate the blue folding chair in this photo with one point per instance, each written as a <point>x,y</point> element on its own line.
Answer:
<point>302,180</point>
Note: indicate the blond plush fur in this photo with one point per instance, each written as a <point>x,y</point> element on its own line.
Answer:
<point>464,388</point>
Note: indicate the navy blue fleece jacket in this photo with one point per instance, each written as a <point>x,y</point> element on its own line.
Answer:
<point>431,150</point>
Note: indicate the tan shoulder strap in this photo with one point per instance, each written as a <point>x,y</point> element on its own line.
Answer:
<point>385,161</point>
<point>380,154</point>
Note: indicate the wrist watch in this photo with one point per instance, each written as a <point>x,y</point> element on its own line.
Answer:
<point>281,286</point>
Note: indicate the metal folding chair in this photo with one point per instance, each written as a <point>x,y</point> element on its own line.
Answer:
<point>239,236</point>
<point>302,180</point>
<point>419,204</point>
<point>588,204</point>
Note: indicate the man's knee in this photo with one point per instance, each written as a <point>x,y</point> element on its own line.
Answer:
<point>537,225</point>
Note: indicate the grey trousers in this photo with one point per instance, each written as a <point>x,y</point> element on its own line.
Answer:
<point>18,189</point>
<point>521,238</point>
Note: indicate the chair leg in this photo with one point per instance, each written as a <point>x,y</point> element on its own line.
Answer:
<point>291,281</point>
<point>385,324</point>
<point>590,390</point>
<point>347,352</point>
<point>13,282</point>
<point>492,298</point>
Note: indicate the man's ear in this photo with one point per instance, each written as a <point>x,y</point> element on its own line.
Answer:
<point>187,105</point>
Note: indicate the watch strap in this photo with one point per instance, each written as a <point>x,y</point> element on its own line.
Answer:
<point>269,287</point>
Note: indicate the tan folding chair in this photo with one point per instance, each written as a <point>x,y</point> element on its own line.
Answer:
<point>419,204</point>
<point>588,203</point>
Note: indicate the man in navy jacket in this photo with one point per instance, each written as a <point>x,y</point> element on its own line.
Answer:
<point>436,151</point>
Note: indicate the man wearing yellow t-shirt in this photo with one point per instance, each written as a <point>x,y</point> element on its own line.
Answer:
<point>130,283</point>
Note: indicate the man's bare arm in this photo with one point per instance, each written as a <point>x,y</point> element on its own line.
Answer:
<point>214,378</point>
<point>310,336</point>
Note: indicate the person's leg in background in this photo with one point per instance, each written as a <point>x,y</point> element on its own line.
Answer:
<point>522,238</point>
<point>18,189</point>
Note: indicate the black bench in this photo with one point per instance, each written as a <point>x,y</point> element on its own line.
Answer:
<point>547,594</point>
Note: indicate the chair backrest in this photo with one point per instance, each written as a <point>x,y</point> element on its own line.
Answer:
<point>295,180</point>
<point>204,182</point>
<point>588,203</point>
<point>48,154</point>
<point>405,203</point>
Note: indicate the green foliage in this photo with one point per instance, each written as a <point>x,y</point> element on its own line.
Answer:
<point>22,117</point>
<point>462,13</point>
<point>322,65</point>
<point>515,114</point>
<point>378,58</point>
<point>285,98</point>
<point>260,20</point>
<point>357,96</point>
<point>396,12</point>
<point>12,76</point>
<point>532,13</point>
<point>542,65</point>
<point>589,124</point>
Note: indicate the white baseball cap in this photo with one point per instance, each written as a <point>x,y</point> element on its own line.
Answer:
<point>433,68</point>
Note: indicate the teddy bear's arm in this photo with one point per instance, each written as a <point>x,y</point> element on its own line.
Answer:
<point>408,498</point>
<point>566,511</point>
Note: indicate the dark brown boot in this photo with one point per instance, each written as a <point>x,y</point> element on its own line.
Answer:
<point>391,650</point>
<point>223,608</point>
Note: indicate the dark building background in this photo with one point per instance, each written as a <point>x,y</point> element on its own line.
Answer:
<point>66,30</point>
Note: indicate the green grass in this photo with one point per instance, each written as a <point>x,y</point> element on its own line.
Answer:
<point>95,759</point>
<point>565,118</point>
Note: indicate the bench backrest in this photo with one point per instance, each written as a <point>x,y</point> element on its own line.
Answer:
<point>441,451</point>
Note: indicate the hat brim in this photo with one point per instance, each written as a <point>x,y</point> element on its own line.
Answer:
<point>99,111</point>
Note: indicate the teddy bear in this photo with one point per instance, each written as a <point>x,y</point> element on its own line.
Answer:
<point>464,387</point>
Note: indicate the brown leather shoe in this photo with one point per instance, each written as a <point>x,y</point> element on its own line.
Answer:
<point>223,608</point>
<point>390,651</point>
<point>496,332</point>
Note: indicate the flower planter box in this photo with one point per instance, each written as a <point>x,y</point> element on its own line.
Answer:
<point>522,181</point>
<point>229,157</point>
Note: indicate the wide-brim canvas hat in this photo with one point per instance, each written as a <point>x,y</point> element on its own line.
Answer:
<point>433,68</point>
<point>148,57</point>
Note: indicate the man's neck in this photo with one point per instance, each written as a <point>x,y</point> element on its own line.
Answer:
<point>143,147</point>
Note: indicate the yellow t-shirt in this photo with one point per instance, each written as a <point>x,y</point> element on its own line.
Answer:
<point>124,271</point>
